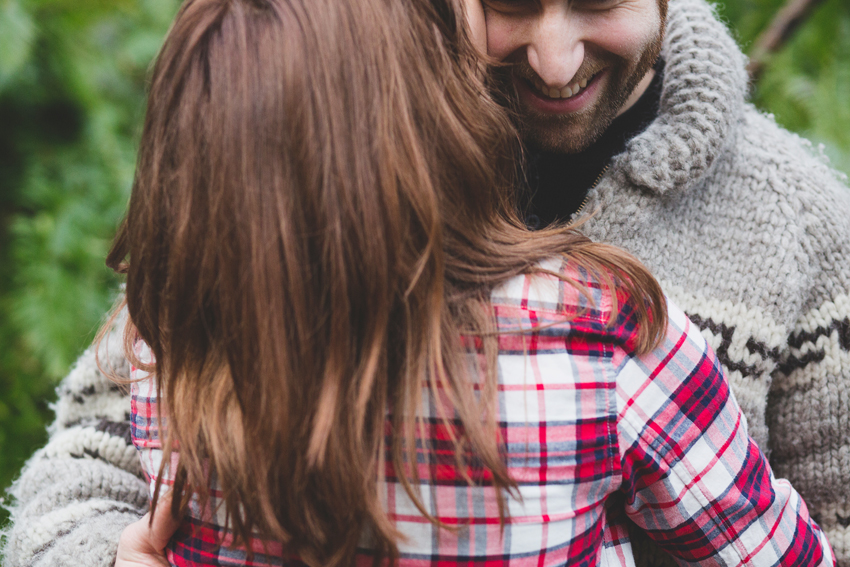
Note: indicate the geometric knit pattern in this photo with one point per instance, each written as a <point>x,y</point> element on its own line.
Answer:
<point>747,229</point>
<point>75,496</point>
<point>593,433</point>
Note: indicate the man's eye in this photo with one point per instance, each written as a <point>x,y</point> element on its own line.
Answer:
<point>595,4</point>
<point>510,6</point>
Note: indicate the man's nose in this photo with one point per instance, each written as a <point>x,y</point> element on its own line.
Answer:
<point>556,50</point>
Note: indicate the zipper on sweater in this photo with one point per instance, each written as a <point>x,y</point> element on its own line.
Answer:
<point>577,214</point>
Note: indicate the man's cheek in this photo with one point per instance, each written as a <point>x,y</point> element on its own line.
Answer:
<point>628,32</point>
<point>503,37</point>
<point>626,41</point>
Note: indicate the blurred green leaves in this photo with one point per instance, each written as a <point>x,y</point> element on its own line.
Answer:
<point>17,32</point>
<point>806,85</point>
<point>72,81</point>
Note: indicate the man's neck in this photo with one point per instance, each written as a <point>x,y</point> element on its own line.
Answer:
<point>639,91</point>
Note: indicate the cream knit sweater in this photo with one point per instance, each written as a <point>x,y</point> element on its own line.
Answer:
<point>746,227</point>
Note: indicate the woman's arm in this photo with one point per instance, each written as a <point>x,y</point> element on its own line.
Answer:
<point>692,477</point>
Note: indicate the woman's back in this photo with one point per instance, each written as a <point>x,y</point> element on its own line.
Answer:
<point>592,434</point>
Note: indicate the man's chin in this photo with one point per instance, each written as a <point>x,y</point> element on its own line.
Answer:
<point>556,136</point>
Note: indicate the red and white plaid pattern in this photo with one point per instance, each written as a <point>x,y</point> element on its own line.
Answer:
<point>593,434</point>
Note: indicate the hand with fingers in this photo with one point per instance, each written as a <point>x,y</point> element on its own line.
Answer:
<point>142,543</point>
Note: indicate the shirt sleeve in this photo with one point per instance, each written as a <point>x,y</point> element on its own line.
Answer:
<point>692,477</point>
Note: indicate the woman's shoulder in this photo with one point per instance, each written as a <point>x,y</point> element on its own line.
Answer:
<point>556,286</point>
<point>557,294</point>
<point>561,297</point>
<point>682,361</point>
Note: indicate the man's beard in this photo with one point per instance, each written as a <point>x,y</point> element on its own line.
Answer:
<point>575,132</point>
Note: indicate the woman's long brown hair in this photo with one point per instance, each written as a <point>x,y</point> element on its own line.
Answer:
<point>321,209</point>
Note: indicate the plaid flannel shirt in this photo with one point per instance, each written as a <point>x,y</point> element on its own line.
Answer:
<point>593,435</point>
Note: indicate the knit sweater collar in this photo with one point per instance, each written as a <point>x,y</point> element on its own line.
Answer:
<point>703,97</point>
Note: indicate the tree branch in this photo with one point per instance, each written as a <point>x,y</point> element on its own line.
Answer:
<point>777,34</point>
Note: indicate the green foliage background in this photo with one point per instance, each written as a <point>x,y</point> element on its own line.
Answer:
<point>72,83</point>
<point>72,80</point>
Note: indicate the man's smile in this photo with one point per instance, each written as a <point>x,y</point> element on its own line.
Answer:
<point>567,100</point>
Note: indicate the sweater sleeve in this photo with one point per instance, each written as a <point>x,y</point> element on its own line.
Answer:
<point>75,496</point>
<point>693,479</point>
<point>808,412</point>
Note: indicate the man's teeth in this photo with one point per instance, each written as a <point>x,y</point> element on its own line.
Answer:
<point>565,92</point>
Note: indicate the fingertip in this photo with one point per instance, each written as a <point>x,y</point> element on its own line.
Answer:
<point>163,524</point>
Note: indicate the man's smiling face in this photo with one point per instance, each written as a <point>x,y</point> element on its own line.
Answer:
<point>576,64</point>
